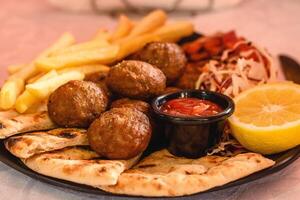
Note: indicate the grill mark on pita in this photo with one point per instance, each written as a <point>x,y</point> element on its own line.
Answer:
<point>67,134</point>
<point>146,166</point>
<point>37,117</point>
<point>14,120</point>
<point>12,141</point>
<point>2,125</point>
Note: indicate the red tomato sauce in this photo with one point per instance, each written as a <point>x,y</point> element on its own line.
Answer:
<point>190,107</point>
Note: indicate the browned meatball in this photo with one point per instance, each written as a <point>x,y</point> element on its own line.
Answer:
<point>142,106</point>
<point>120,133</point>
<point>77,104</point>
<point>169,57</point>
<point>136,79</point>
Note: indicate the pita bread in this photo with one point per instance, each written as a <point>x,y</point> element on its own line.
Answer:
<point>80,165</point>
<point>29,144</point>
<point>162,174</point>
<point>21,123</point>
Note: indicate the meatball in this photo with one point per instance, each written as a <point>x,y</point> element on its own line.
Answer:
<point>142,106</point>
<point>120,133</point>
<point>77,104</point>
<point>168,57</point>
<point>136,79</point>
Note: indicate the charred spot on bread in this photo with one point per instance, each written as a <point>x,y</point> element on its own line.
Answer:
<point>12,141</point>
<point>2,125</point>
<point>67,134</point>
<point>146,166</point>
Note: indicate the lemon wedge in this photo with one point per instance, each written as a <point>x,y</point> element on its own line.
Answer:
<point>267,117</point>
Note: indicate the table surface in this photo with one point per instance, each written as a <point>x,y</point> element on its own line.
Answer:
<point>28,27</point>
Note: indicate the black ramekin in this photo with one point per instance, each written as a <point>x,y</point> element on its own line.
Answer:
<point>192,136</point>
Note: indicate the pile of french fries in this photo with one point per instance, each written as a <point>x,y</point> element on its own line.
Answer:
<point>30,84</point>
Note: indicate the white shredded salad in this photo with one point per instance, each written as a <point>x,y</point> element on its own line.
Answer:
<point>231,75</point>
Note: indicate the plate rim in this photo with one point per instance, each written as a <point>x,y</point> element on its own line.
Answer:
<point>15,163</point>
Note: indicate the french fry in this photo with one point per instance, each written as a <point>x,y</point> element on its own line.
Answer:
<point>123,29</point>
<point>131,45</point>
<point>14,68</point>
<point>93,44</point>
<point>47,76</point>
<point>173,32</point>
<point>43,89</point>
<point>149,23</point>
<point>102,55</point>
<point>9,92</point>
<point>15,83</point>
<point>102,34</point>
<point>86,69</point>
<point>26,100</point>
<point>35,78</point>
<point>65,40</point>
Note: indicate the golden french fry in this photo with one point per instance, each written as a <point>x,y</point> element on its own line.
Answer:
<point>43,89</point>
<point>14,68</point>
<point>102,34</point>
<point>35,78</point>
<point>149,23</point>
<point>93,44</point>
<point>131,45</point>
<point>9,93</point>
<point>86,69</point>
<point>16,81</point>
<point>25,101</point>
<point>174,31</point>
<point>123,29</point>
<point>47,76</point>
<point>102,55</point>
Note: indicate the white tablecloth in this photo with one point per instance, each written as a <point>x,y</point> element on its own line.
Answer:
<point>29,26</point>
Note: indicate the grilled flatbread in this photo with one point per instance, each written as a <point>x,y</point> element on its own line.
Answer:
<point>29,144</point>
<point>21,123</point>
<point>162,174</point>
<point>80,165</point>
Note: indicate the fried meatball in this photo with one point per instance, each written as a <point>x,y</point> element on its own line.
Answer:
<point>142,106</point>
<point>77,104</point>
<point>168,57</point>
<point>136,79</point>
<point>120,133</point>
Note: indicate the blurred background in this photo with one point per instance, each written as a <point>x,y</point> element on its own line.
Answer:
<point>29,26</point>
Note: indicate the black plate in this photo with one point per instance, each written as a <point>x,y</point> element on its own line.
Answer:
<point>282,160</point>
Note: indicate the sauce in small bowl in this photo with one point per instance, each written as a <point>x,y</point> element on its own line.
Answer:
<point>190,107</point>
<point>193,120</point>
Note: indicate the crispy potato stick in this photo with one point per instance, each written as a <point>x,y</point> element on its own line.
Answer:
<point>123,29</point>
<point>102,55</point>
<point>35,78</point>
<point>14,68</point>
<point>93,44</point>
<point>102,34</point>
<point>173,32</point>
<point>65,40</point>
<point>132,45</point>
<point>86,69</point>
<point>9,92</point>
<point>149,23</point>
<point>27,99</point>
<point>43,89</point>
